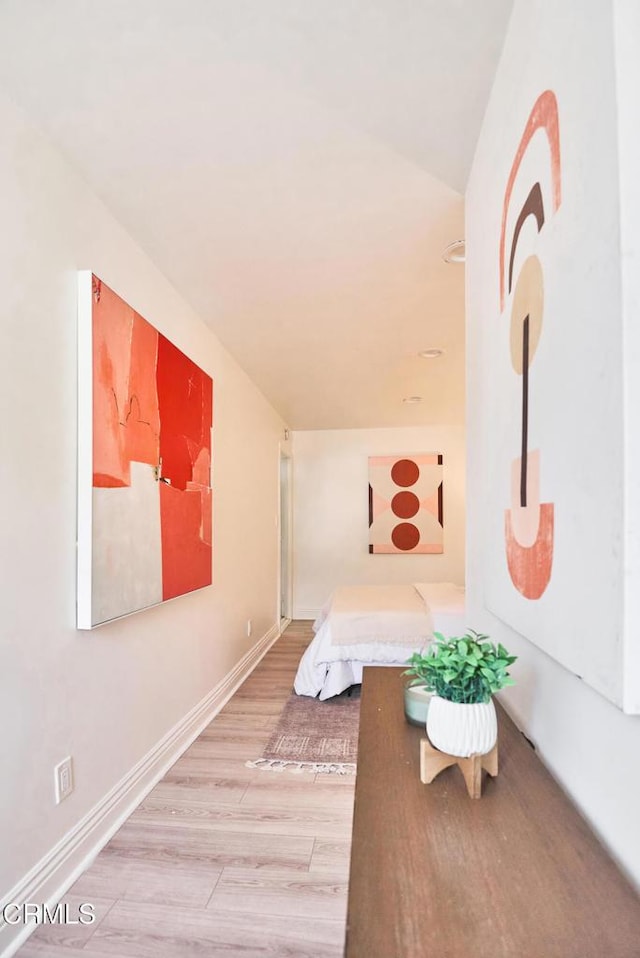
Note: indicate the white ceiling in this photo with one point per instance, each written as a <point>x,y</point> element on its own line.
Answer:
<point>294,167</point>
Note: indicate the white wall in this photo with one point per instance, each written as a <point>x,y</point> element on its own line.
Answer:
<point>587,742</point>
<point>331,511</point>
<point>627,38</point>
<point>105,697</point>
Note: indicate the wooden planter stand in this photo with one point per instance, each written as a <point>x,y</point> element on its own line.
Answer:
<point>432,762</point>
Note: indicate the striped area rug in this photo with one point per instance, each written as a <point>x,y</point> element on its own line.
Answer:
<point>314,736</point>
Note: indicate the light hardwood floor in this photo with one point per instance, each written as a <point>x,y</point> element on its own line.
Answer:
<point>220,859</point>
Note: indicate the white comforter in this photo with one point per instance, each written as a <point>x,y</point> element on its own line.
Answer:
<point>328,666</point>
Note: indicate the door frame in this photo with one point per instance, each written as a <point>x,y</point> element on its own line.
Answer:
<point>285,537</point>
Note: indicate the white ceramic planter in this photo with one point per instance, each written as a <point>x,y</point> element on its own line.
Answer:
<point>462,730</point>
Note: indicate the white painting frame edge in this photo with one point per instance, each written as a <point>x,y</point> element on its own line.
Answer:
<point>84,536</point>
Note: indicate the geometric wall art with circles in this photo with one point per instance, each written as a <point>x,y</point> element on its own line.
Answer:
<point>405,504</point>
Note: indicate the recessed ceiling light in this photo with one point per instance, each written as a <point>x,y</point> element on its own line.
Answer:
<point>434,353</point>
<point>455,252</point>
<point>412,399</point>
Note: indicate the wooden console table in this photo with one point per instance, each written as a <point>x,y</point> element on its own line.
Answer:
<point>435,874</point>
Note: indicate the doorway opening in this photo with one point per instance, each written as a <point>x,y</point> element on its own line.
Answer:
<point>285,527</point>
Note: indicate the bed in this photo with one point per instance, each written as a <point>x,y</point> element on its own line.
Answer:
<point>375,625</point>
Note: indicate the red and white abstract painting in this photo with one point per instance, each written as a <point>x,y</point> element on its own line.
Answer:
<point>145,499</point>
<point>405,504</point>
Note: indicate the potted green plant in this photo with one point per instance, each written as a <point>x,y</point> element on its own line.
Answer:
<point>462,673</point>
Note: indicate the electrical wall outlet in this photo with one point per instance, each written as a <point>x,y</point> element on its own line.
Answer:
<point>63,779</point>
<point>249,628</point>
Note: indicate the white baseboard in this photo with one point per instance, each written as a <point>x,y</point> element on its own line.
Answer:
<point>299,613</point>
<point>54,874</point>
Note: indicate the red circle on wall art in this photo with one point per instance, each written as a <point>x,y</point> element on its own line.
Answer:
<point>405,472</point>
<point>405,536</point>
<point>405,504</point>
